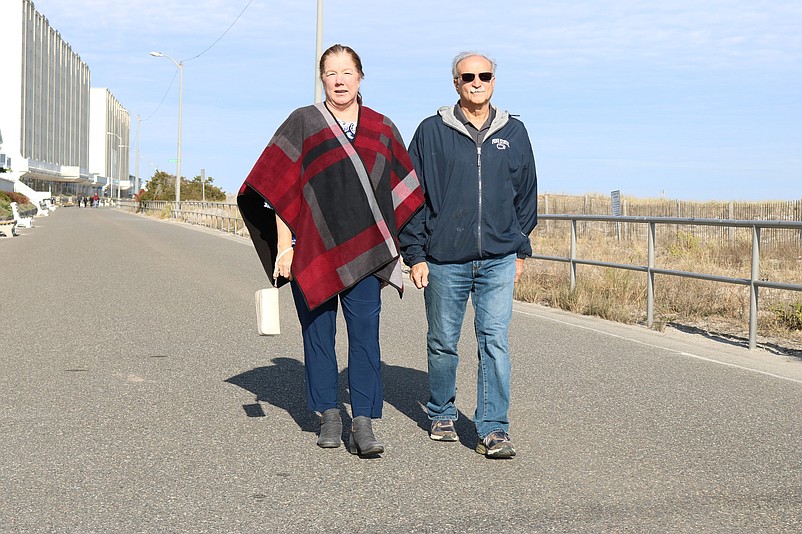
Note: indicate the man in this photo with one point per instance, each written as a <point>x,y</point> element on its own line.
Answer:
<point>477,169</point>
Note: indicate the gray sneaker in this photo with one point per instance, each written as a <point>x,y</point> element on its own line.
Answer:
<point>496,445</point>
<point>443,430</point>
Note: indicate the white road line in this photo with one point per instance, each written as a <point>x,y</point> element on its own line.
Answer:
<point>683,353</point>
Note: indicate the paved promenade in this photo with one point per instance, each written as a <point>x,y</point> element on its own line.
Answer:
<point>136,396</point>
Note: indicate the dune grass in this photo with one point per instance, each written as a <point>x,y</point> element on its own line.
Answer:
<point>620,295</point>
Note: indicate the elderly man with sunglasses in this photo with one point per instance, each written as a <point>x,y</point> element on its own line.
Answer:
<point>477,169</point>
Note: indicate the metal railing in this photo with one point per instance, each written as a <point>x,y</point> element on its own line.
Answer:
<point>753,281</point>
<point>226,217</point>
<point>216,215</point>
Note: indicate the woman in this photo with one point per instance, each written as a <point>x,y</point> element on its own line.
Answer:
<point>341,183</point>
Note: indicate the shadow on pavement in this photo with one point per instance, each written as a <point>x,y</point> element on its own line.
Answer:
<point>408,391</point>
<point>282,384</point>
<point>737,341</point>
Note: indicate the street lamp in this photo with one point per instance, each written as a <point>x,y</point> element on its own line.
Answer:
<point>120,171</point>
<point>119,163</point>
<point>318,51</point>
<point>180,66</point>
<point>136,181</point>
<point>139,181</point>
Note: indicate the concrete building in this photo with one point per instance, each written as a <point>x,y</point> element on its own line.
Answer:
<point>109,143</point>
<point>46,117</point>
<point>5,166</point>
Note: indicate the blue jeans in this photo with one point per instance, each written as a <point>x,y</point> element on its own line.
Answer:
<point>490,285</point>
<point>361,307</point>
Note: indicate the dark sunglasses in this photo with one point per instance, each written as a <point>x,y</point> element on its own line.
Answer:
<point>469,76</point>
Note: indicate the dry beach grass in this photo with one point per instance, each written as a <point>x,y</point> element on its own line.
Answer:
<point>705,307</point>
<point>712,308</point>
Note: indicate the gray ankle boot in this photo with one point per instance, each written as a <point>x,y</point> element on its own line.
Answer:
<point>362,440</point>
<point>331,429</point>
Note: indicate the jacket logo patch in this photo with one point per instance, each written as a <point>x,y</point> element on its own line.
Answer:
<point>501,144</point>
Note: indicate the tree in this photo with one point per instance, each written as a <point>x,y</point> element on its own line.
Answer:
<point>195,189</point>
<point>162,187</point>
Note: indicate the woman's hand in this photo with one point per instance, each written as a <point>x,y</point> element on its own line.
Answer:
<point>283,266</point>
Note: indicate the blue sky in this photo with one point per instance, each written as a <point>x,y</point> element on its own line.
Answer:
<point>691,100</point>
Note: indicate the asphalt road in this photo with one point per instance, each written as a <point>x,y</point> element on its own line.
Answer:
<point>136,396</point>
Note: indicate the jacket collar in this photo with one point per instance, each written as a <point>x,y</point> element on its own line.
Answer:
<point>449,119</point>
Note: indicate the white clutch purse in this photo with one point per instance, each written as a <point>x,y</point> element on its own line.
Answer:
<point>267,312</point>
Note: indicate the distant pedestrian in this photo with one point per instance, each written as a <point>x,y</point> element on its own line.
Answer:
<point>476,165</point>
<point>80,199</point>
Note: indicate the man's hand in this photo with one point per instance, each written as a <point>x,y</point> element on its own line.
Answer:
<point>519,269</point>
<point>419,274</point>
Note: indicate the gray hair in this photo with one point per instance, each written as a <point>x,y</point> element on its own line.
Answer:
<point>465,55</point>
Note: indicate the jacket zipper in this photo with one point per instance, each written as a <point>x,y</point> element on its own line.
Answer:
<point>479,222</point>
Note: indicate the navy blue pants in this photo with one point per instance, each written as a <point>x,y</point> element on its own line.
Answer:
<point>361,306</point>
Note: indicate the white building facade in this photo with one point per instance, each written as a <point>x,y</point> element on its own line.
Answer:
<point>109,141</point>
<point>45,112</point>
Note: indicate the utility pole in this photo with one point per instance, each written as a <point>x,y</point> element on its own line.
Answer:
<point>318,51</point>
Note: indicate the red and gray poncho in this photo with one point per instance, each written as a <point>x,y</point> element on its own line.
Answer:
<point>343,200</point>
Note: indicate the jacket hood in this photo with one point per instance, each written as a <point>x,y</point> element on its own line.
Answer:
<point>447,114</point>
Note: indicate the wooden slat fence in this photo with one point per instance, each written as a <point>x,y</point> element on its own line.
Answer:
<point>226,217</point>
<point>790,210</point>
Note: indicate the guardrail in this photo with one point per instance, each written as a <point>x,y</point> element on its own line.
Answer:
<point>226,217</point>
<point>650,270</point>
<point>217,215</point>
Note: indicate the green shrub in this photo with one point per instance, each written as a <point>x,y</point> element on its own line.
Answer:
<point>789,315</point>
<point>167,211</point>
<point>685,244</point>
<point>25,204</point>
<point>19,198</point>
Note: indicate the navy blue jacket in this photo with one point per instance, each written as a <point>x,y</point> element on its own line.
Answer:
<point>481,201</point>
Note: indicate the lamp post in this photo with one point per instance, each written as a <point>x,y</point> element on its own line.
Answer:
<point>180,66</point>
<point>318,51</point>
<point>120,170</point>
<point>119,163</point>
<point>136,172</point>
<point>139,181</point>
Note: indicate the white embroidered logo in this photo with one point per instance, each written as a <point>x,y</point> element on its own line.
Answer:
<point>501,144</point>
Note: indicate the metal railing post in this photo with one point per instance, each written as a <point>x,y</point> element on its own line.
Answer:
<point>573,254</point>
<point>753,288</point>
<point>650,277</point>
<point>226,217</point>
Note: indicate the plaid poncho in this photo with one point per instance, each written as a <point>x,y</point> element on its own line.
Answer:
<point>344,201</point>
